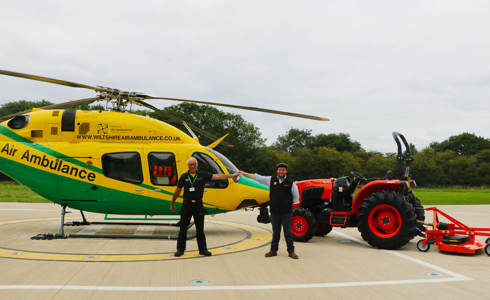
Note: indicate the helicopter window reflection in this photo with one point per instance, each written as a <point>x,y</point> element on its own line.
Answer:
<point>207,164</point>
<point>228,164</point>
<point>162,168</point>
<point>124,166</point>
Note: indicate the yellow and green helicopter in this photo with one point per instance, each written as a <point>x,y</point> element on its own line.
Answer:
<point>113,162</point>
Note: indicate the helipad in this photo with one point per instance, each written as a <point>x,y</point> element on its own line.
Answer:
<point>339,266</point>
<point>252,237</point>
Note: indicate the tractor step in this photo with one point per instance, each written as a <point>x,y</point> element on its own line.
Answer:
<point>339,220</point>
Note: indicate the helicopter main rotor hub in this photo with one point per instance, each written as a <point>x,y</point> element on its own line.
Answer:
<point>118,99</point>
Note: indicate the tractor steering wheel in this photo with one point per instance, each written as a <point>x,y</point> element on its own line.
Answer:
<point>358,177</point>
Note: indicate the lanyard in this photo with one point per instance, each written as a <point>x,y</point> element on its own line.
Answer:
<point>192,181</point>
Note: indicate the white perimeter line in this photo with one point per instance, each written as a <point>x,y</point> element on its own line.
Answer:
<point>219,287</point>
<point>415,260</point>
<point>27,209</point>
<point>455,277</point>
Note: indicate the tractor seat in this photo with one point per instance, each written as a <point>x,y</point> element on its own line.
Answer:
<point>455,239</point>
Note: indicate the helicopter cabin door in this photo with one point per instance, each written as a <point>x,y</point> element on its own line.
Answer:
<point>123,184</point>
<point>77,181</point>
<point>164,175</point>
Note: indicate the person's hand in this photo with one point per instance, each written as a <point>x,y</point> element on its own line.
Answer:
<point>240,172</point>
<point>235,176</point>
<point>172,207</point>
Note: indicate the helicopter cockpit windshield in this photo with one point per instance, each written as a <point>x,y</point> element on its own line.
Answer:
<point>226,162</point>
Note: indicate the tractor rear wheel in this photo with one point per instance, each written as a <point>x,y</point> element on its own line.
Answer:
<point>303,225</point>
<point>322,229</point>
<point>386,220</point>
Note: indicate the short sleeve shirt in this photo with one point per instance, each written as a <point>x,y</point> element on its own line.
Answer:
<point>194,185</point>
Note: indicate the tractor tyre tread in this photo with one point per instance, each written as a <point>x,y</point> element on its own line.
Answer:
<point>419,212</point>
<point>404,208</point>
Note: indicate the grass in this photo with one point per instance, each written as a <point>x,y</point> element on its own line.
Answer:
<point>11,192</point>
<point>450,196</point>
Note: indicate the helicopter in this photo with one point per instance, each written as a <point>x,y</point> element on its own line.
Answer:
<point>115,162</point>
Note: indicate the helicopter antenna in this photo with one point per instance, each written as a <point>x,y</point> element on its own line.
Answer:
<point>190,130</point>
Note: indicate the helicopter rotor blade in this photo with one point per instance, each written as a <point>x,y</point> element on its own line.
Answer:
<point>172,117</point>
<point>55,106</point>
<point>50,80</point>
<point>271,111</point>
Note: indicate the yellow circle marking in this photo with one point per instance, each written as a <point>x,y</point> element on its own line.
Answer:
<point>257,237</point>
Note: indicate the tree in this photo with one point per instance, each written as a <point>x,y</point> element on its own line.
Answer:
<point>293,140</point>
<point>482,167</point>
<point>263,161</point>
<point>463,144</point>
<point>18,106</point>
<point>245,137</point>
<point>341,141</point>
<point>377,165</point>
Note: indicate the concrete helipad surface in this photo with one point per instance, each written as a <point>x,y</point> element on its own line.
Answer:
<point>338,266</point>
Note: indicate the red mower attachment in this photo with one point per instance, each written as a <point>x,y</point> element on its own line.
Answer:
<point>453,237</point>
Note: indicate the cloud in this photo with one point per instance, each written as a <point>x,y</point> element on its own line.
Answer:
<point>419,67</point>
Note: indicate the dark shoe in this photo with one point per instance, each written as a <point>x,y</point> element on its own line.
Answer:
<point>178,253</point>
<point>205,253</point>
<point>271,253</point>
<point>293,255</point>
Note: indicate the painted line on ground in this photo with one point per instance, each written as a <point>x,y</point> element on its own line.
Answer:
<point>256,237</point>
<point>221,287</point>
<point>27,209</point>
<point>454,275</point>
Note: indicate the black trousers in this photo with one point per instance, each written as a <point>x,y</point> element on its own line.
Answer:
<point>196,211</point>
<point>284,220</point>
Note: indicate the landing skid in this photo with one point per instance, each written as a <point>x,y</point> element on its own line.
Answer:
<point>61,234</point>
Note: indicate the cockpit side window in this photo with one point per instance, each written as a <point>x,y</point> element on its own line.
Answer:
<point>226,162</point>
<point>207,164</point>
<point>124,166</point>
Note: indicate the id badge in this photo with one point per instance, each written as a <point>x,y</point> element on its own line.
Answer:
<point>192,189</point>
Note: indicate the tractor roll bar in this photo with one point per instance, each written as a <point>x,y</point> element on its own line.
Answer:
<point>407,147</point>
<point>400,157</point>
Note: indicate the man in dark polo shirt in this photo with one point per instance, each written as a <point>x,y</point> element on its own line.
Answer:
<point>193,182</point>
<point>283,193</point>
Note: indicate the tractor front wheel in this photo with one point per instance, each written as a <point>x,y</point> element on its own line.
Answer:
<point>303,225</point>
<point>322,229</point>
<point>487,249</point>
<point>386,220</point>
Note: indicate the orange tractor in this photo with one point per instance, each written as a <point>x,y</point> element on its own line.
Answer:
<point>384,209</point>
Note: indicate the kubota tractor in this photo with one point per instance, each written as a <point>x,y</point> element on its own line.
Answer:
<point>384,210</point>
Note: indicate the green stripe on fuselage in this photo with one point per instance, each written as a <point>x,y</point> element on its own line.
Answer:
<point>10,134</point>
<point>81,195</point>
<point>252,183</point>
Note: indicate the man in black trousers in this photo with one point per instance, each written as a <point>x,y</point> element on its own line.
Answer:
<point>283,193</point>
<point>193,182</point>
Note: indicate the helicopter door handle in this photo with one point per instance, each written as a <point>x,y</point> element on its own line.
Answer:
<point>139,190</point>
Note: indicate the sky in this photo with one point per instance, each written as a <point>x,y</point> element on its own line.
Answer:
<point>372,67</point>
